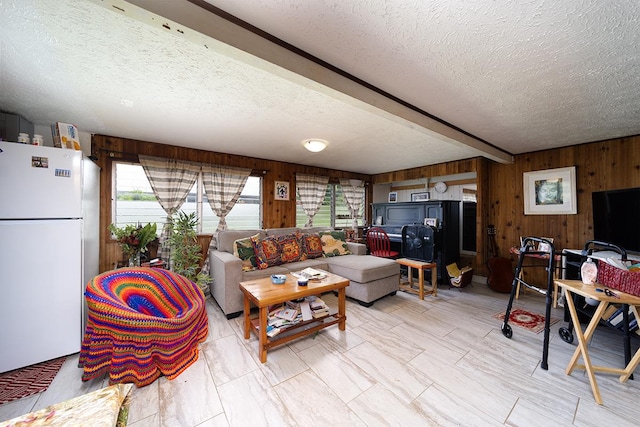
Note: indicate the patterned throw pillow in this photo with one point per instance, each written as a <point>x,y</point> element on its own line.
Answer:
<point>311,245</point>
<point>268,251</point>
<point>243,249</point>
<point>334,243</point>
<point>290,247</point>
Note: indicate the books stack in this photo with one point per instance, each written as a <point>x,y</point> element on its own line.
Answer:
<point>283,316</point>
<point>318,308</point>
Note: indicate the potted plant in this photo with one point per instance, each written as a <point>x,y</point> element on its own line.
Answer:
<point>133,240</point>
<point>185,250</point>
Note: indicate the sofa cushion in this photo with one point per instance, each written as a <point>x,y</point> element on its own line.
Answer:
<point>363,268</point>
<point>268,251</point>
<point>311,245</point>
<point>315,230</point>
<point>243,249</point>
<point>225,238</point>
<point>290,248</point>
<point>260,274</point>
<point>333,243</point>
<point>317,263</point>
<point>280,231</point>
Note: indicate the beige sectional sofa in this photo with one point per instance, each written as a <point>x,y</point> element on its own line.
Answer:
<point>370,278</point>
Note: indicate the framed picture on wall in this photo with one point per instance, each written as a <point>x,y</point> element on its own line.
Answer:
<point>550,192</point>
<point>282,190</point>
<point>433,222</point>
<point>420,197</point>
<point>393,197</point>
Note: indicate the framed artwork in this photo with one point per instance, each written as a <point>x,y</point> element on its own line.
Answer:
<point>282,190</point>
<point>393,197</point>
<point>545,247</point>
<point>550,192</point>
<point>420,197</point>
<point>433,222</point>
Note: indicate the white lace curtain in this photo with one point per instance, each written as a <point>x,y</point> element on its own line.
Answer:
<point>171,181</point>
<point>311,190</point>
<point>353,190</point>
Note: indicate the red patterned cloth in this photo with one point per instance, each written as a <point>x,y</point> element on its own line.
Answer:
<point>142,323</point>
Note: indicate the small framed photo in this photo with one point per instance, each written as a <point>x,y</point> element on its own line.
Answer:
<point>420,197</point>
<point>550,192</point>
<point>393,197</point>
<point>282,190</point>
<point>433,222</point>
<point>543,246</point>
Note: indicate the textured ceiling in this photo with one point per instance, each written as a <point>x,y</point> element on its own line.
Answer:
<point>521,77</point>
<point>524,75</point>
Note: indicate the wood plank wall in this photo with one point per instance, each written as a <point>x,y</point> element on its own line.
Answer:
<point>605,165</point>
<point>275,214</point>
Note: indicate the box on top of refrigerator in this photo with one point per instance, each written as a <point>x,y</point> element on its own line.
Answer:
<point>65,135</point>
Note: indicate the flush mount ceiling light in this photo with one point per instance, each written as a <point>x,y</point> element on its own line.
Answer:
<point>315,145</point>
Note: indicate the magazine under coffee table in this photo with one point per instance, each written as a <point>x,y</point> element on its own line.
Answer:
<point>263,294</point>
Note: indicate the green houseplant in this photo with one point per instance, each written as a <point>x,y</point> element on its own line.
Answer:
<point>185,250</point>
<point>133,240</point>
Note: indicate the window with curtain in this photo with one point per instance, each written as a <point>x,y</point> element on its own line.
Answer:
<point>135,202</point>
<point>334,211</point>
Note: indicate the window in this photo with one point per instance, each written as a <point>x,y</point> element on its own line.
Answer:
<point>245,215</point>
<point>334,211</point>
<point>135,202</point>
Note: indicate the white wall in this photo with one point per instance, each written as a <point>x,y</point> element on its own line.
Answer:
<point>454,192</point>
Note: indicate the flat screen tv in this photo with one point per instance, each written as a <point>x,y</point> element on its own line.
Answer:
<point>616,217</point>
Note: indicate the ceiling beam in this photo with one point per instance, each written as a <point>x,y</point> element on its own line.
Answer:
<point>253,48</point>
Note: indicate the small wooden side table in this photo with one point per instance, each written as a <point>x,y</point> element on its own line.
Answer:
<point>421,266</point>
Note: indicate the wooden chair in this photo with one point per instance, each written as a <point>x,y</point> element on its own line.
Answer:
<point>379,243</point>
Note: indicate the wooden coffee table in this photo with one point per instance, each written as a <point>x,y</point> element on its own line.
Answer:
<point>263,293</point>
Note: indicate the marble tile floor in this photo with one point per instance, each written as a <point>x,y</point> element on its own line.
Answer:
<point>442,361</point>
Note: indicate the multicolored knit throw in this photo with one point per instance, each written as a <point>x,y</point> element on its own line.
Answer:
<point>142,323</point>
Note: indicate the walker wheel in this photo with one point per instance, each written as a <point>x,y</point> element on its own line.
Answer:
<point>566,335</point>
<point>507,331</point>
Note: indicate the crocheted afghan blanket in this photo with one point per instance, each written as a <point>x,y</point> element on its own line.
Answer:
<point>142,323</point>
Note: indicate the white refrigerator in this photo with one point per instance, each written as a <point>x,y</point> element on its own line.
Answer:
<point>49,216</point>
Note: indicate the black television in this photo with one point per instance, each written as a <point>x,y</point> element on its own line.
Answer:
<point>616,217</point>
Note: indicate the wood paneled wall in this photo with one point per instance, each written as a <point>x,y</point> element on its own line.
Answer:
<point>606,165</point>
<point>275,213</point>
